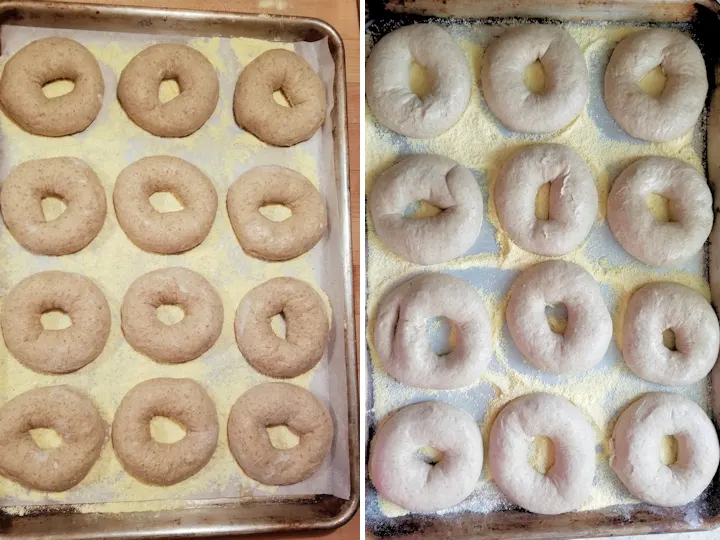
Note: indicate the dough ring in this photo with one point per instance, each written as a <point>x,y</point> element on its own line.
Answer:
<point>566,485</point>
<point>400,335</point>
<point>653,242</point>
<point>180,342</point>
<point>72,415</point>
<point>573,201</point>
<point>677,109</point>
<point>306,329</point>
<point>271,240</point>
<point>257,112</point>
<point>657,307</point>
<point>387,78</point>
<point>55,351</point>
<point>403,477</point>
<point>274,404</point>
<point>185,113</point>
<point>47,60</point>
<point>566,78</point>
<point>69,179</point>
<point>589,326</point>
<point>443,183</point>
<point>164,464</point>
<point>164,232</point>
<point>636,443</point>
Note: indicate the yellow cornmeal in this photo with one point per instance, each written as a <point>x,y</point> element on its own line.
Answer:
<point>110,144</point>
<point>478,142</point>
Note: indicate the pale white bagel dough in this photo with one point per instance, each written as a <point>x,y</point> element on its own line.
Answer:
<point>566,78</point>
<point>589,326</point>
<point>573,203</point>
<point>566,485</point>
<point>636,444</point>
<point>400,337</point>
<point>657,307</point>
<point>654,242</point>
<point>677,109</point>
<point>387,80</point>
<point>443,183</point>
<point>401,476</point>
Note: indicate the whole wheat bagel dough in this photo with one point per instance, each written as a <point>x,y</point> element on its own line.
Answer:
<point>184,114</point>
<point>657,307</point>
<point>566,485</point>
<point>164,232</point>
<point>279,404</point>
<point>387,79</point>
<point>69,179</point>
<point>44,61</point>
<point>573,202</point>
<point>401,475</point>
<point>402,344</point>
<point>276,240</point>
<point>633,224</point>
<point>566,78</point>
<point>55,351</point>
<point>441,182</point>
<point>74,417</point>
<point>164,464</point>
<point>256,110</point>
<point>306,327</point>
<point>677,109</point>
<point>185,340</point>
<point>589,325</point>
<point>636,443</point>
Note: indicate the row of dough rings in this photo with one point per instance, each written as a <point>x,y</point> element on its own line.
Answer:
<point>49,59</point>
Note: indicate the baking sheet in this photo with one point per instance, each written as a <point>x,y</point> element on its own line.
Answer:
<point>479,142</point>
<point>223,151</point>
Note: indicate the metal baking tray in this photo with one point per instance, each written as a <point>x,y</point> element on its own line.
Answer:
<point>212,517</point>
<point>635,519</point>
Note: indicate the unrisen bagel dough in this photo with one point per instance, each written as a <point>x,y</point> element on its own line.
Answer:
<point>55,351</point>
<point>256,110</point>
<point>72,415</point>
<point>589,325</point>
<point>657,307</point>
<point>573,203</point>
<point>443,183</point>
<point>47,60</point>
<point>636,443</point>
<point>388,81</point>
<point>185,113</point>
<point>400,337</point>
<point>677,109</point>
<point>69,179</point>
<point>164,232</point>
<point>306,327</point>
<point>276,404</point>
<point>401,475</point>
<point>180,342</point>
<point>271,240</point>
<point>633,224</point>
<point>566,485</point>
<point>566,78</point>
<point>181,400</point>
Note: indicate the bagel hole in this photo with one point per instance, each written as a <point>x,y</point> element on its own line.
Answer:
<point>430,455</point>
<point>653,82</point>
<point>669,339</point>
<point>420,81</point>
<point>542,454</point>
<point>164,201</point>
<point>534,77</point>
<point>275,212</point>
<point>55,319</point>
<point>669,450</point>
<point>46,438</point>
<point>279,325</point>
<point>57,88</point>
<point>659,207</point>
<point>280,98</point>
<point>557,317</point>
<point>442,335</point>
<point>52,207</point>
<point>166,430</point>
<point>170,314</point>
<point>421,210</point>
<point>169,89</point>
<point>542,202</point>
<point>282,437</point>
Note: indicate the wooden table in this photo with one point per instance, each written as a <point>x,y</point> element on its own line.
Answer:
<point>344,16</point>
